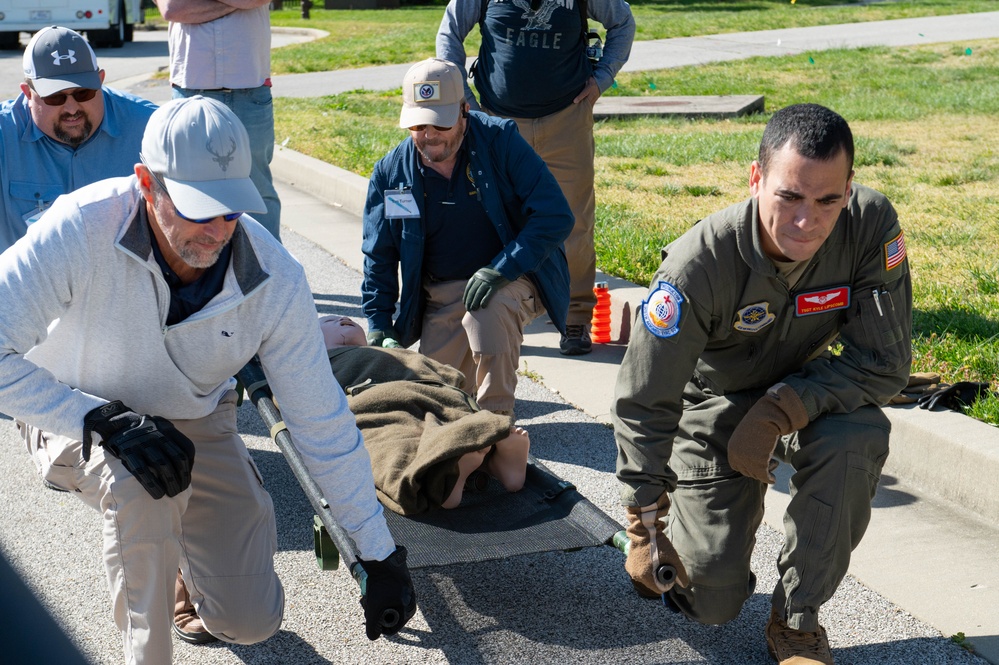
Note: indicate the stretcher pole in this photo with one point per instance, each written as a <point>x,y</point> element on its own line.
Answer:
<point>665,573</point>
<point>253,380</point>
<point>332,542</point>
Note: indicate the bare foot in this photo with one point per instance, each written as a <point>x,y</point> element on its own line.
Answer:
<point>508,463</point>
<point>467,463</point>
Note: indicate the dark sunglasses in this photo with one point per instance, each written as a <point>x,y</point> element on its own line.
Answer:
<point>58,99</point>
<point>420,128</point>
<point>229,216</point>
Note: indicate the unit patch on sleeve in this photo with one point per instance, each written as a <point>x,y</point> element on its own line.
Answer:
<point>753,318</point>
<point>661,311</point>
<point>816,302</point>
<point>895,251</point>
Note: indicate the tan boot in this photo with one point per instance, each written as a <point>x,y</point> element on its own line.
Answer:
<point>186,623</point>
<point>795,647</point>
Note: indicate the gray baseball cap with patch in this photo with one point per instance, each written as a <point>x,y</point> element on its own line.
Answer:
<point>202,151</point>
<point>58,59</point>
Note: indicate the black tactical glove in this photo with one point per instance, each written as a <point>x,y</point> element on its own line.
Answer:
<point>482,286</point>
<point>955,397</point>
<point>150,447</point>
<point>388,597</point>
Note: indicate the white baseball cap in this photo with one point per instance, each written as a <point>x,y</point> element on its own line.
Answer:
<point>58,59</point>
<point>202,152</point>
<point>432,91</point>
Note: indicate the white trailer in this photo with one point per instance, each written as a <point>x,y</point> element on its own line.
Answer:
<point>106,22</point>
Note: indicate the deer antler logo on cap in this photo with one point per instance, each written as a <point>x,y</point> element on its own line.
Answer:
<point>223,160</point>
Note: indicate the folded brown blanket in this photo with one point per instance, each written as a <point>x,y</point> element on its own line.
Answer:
<point>416,423</point>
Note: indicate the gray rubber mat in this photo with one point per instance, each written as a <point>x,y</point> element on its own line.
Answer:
<point>548,514</point>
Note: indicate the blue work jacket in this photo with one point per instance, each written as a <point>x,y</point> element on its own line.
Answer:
<point>521,198</point>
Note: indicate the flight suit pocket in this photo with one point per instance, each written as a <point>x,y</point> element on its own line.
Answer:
<point>884,348</point>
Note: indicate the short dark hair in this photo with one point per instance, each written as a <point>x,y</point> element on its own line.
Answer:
<point>814,132</point>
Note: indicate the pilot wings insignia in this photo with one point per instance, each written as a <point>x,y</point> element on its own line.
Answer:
<point>823,298</point>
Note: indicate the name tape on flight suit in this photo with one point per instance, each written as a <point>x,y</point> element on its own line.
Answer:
<point>816,302</point>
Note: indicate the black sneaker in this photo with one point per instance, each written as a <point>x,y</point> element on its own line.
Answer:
<point>575,341</point>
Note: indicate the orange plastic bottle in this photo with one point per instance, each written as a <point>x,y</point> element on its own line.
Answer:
<point>601,323</point>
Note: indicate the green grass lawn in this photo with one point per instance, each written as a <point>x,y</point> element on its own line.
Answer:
<point>360,38</point>
<point>925,119</point>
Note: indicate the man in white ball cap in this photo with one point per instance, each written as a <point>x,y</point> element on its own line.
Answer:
<point>153,290</point>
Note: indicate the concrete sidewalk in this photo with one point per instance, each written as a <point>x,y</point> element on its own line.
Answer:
<point>649,55</point>
<point>684,51</point>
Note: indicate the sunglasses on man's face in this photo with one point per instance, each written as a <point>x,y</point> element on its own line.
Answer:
<point>58,99</point>
<point>229,216</point>
<point>420,128</point>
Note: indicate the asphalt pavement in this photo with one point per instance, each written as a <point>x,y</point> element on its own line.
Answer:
<point>926,570</point>
<point>547,608</point>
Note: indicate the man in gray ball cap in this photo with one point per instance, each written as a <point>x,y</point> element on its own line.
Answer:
<point>153,291</point>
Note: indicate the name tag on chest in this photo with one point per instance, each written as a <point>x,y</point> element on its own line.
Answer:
<point>816,302</point>
<point>400,204</point>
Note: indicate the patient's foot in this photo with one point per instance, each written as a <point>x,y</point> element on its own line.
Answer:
<point>467,463</point>
<point>508,463</point>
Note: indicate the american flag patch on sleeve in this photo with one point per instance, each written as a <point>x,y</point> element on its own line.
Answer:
<point>895,251</point>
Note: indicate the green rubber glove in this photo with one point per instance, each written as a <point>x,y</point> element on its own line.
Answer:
<point>376,337</point>
<point>482,286</point>
<point>752,444</point>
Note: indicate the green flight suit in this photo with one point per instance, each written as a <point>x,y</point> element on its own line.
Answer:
<point>720,326</point>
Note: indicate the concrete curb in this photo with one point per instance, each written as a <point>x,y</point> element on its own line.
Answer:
<point>946,454</point>
<point>331,184</point>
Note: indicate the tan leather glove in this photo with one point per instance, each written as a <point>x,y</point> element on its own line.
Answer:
<point>919,384</point>
<point>751,445</point>
<point>652,562</point>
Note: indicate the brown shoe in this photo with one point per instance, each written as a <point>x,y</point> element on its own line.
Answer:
<point>186,622</point>
<point>796,647</point>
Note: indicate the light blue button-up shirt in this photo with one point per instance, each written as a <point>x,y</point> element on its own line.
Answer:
<point>35,169</point>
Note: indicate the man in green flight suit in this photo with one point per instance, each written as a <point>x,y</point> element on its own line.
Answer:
<point>732,371</point>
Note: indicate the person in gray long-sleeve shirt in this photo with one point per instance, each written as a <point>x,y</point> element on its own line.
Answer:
<point>533,68</point>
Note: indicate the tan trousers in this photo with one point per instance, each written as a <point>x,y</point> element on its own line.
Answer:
<point>564,140</point>
<point>485,344</point>
<point>220,532</point>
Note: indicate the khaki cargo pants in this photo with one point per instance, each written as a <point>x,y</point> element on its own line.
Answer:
<point>564,140</point>
<point>484,345</point>
<point>837,461</point>
<point>221,532</point>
